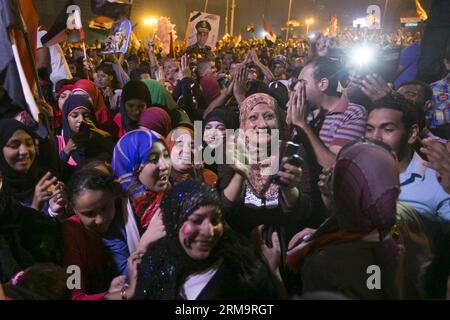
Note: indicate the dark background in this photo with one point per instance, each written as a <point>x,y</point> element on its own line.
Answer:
<point>247,11</point>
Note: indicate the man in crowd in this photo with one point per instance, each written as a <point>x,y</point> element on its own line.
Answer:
<point>394,121</point>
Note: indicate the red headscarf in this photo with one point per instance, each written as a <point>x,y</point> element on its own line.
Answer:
<point>156,119</point>
<point>100,110</point>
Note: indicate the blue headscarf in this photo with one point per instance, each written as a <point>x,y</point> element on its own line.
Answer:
<point>129,158</point>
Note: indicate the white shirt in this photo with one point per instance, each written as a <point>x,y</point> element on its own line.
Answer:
<point>195,283</point>
<point>60,68</point>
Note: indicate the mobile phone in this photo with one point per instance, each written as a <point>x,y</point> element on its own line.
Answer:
<point>294,160</point>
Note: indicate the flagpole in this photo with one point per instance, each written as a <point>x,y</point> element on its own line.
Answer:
<point>386,3</point>
<point>29,51</point>
<point>233,6</point>
<point>288,19</point>
<point>226,16</point>
<point>32,106</point>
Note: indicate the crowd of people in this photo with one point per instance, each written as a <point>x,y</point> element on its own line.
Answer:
<point>116,201</point>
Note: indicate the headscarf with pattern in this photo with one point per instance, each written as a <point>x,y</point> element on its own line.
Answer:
<point>129,158</point>
<point>260,184</point>
<point>165,263</point>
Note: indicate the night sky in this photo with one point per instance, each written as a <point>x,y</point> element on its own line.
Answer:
<point>249,11</point>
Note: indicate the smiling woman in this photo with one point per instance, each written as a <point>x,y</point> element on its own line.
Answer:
<point>22,177</point>
<point>198,259</point>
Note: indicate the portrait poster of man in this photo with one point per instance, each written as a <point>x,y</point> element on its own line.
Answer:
<point>202,32</point>
<point>120,37</point>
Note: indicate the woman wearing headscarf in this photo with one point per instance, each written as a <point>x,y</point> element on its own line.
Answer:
<point>134,101</point>
<point>250,187</point>
<point>180,143</point>
<point>103,115</point>
<point>354,242</point>
<point>157,120</point>
<point>161,98</point>
<point>26,237</point>
<point>198,259</point>
<point>214,133</point>
<point>80,139</point>
<point>142,166</point>
<point>22,178</point>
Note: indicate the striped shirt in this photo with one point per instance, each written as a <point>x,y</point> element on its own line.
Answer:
<point>344,123</point>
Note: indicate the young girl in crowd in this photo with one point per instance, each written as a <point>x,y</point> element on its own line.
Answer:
<point>142,166</point>
<point>97,238</point>
<point>80,138</point>
<point>134,101</point>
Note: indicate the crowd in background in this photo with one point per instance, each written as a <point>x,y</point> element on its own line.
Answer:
<point>113,187</point>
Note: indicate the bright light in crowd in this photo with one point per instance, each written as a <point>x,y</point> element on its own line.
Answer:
<point>362,56</point>
<point>263,34</point>
<point>150,21</point>
<point>312,35</point>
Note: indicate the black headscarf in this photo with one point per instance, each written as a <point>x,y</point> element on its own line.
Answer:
<point>166,264</point>
<point>133,90</point>
<point>73,102</point>
<point>223,115</point>
<point>20,185</point>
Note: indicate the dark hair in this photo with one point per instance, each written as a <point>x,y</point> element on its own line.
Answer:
<point>133,57</point>
<point>46,280</point>
<point>136,73</point>
<point>63,82</point>
<point>425,90</point>
<point>90,179</point>
<point>397,102</point>
<point>107,68</point>
<point>329,68</point>
<point>93,163</point>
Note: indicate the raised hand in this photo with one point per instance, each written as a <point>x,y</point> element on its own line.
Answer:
<point>155,231</point>
<point>58,201</point>
<point>297,106</point>
<point>240,84</point>
<point>43,191</point>
<point>373,86</point>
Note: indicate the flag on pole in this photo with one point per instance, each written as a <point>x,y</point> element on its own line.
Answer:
<point>17,75</point>
<point>101,23</point>
<point>333,25</point>
<point>67,26</point>
<point>114,9</point>
<point>237,40</point>
<point>271,36</point>
<point>420,11</point>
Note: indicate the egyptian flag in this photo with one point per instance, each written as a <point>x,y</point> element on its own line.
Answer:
<point>420,11</point>
<point>333,25</point>
<point>67,27</point>
<point>114,9</point>
<point>271,36</point>
<point>101,23</point>
<point>17,74</point>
